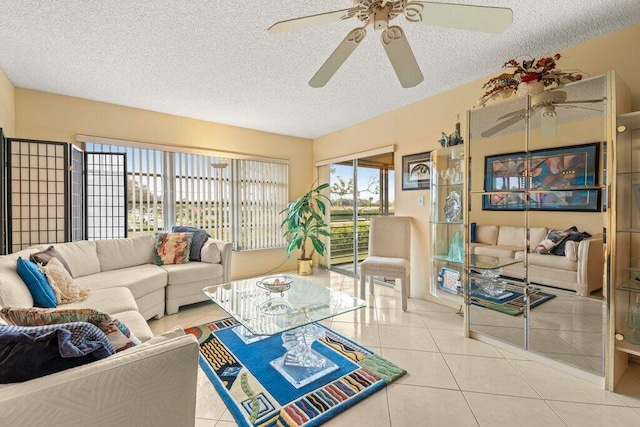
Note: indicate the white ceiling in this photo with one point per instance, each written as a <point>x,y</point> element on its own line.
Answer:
<point>213,60</point>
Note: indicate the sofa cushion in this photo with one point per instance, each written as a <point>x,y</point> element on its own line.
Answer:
<point>536,235</point>
<point>497,251</point>
<point>141,280</point>
<point>81,257</point>
<point>136,323</point>
<point>32,352</point>
<point>473,246</point>
<point>511,236</point>
<point>65,287</point>
<point>200,237</point>
<point>117,332</point>
<point>45,256</point>
<point>108,300</point>
<point>172,248</point>
<point>549,261</point>
<point>210,252</point>
<point>42,293</point>
<point>192,272</point>
<point>487,234</point>
<point>122,253</point>
<point>13,291</point>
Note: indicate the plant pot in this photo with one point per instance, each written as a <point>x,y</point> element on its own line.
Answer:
<point>305,267</point>
<point>529,88</point>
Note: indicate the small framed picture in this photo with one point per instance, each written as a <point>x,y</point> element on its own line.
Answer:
<point>416,171</point>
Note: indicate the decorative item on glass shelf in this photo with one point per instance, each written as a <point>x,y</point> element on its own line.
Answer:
<point>452,207</point>
<point>455,138</point>
<point>456,248</point>
<point>453,175</point>
<point>527,77</point>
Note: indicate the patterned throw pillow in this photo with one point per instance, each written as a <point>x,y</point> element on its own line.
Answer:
<point>553,238</point>
<point>118,334</point>
<point>41,292</point>
<point>47,255</point>
<point>200,237</point>
<point>172,248</point>
<point>65,287</point>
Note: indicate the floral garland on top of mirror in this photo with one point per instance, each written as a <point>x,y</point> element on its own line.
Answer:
<point>527,77</point>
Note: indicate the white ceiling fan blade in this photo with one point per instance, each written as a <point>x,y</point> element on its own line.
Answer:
<point>578,107</point>
<point>460,16</point>
<point>580,101</point>
<point>401,56</point>
<point>308,21</point>
<point>501,126</point>
<point>337,58</point>
<point>548,125</point>
<point>515,113</point>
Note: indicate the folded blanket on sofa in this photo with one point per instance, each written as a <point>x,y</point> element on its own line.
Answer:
<point>32,352</point>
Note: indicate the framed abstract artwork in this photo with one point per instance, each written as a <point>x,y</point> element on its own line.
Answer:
<point>416,171</point>
<point>557,179</point>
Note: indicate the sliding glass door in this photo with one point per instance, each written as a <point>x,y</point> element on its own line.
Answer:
<point>360,189</point>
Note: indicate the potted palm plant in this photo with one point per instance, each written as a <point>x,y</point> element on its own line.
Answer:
<point>304,219</point>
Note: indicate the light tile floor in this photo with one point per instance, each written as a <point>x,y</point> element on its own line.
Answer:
<point>451,380</point>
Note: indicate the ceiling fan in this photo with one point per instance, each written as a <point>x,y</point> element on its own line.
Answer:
<point>379,13</point>
<point>546,102</point>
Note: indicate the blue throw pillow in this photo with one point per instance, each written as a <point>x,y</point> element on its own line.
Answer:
<point>473,232</point>
<point>36,281</point>
<point>200,237</point>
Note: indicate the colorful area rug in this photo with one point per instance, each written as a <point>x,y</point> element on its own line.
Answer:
<point>257,395</point>
<point>511,302</point>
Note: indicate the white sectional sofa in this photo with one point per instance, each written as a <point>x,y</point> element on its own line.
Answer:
<point>110,263</point>
<point>147,385</point>
<point>579,270</point>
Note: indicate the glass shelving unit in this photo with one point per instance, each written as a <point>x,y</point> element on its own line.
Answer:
<point>447,222</point>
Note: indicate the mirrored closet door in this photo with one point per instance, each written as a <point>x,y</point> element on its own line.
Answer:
<point>537,211</point>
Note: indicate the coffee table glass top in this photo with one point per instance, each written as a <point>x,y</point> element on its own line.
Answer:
<point>264,312</point>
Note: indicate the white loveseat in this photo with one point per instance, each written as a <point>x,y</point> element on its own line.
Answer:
<point>147,385</point>
<point>579,270</point>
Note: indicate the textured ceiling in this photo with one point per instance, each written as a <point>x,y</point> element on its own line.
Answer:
<point>213,60</point>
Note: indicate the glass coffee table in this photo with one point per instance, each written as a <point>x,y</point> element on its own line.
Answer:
<point>286,305</point>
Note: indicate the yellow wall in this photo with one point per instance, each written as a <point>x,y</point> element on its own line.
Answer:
<point>46,116</point>
<point>7,109</point>
<point>417,128</point>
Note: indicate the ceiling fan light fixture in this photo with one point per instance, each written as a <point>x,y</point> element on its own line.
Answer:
<point>380,17</point>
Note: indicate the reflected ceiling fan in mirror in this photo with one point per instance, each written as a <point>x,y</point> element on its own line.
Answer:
<point>546,102</point>
<point>379,13</point>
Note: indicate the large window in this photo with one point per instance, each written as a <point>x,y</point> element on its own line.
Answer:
<point>237,200</point>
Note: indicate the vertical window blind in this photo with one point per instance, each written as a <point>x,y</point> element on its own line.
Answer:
<point>262,193</point>
<point>237,200</point>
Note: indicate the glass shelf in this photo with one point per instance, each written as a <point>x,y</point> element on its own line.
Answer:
<point>445,258</point>
<point>443,186</point>
<point>451,222</point>
<point>628,347</point>
<point>633,284</point>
